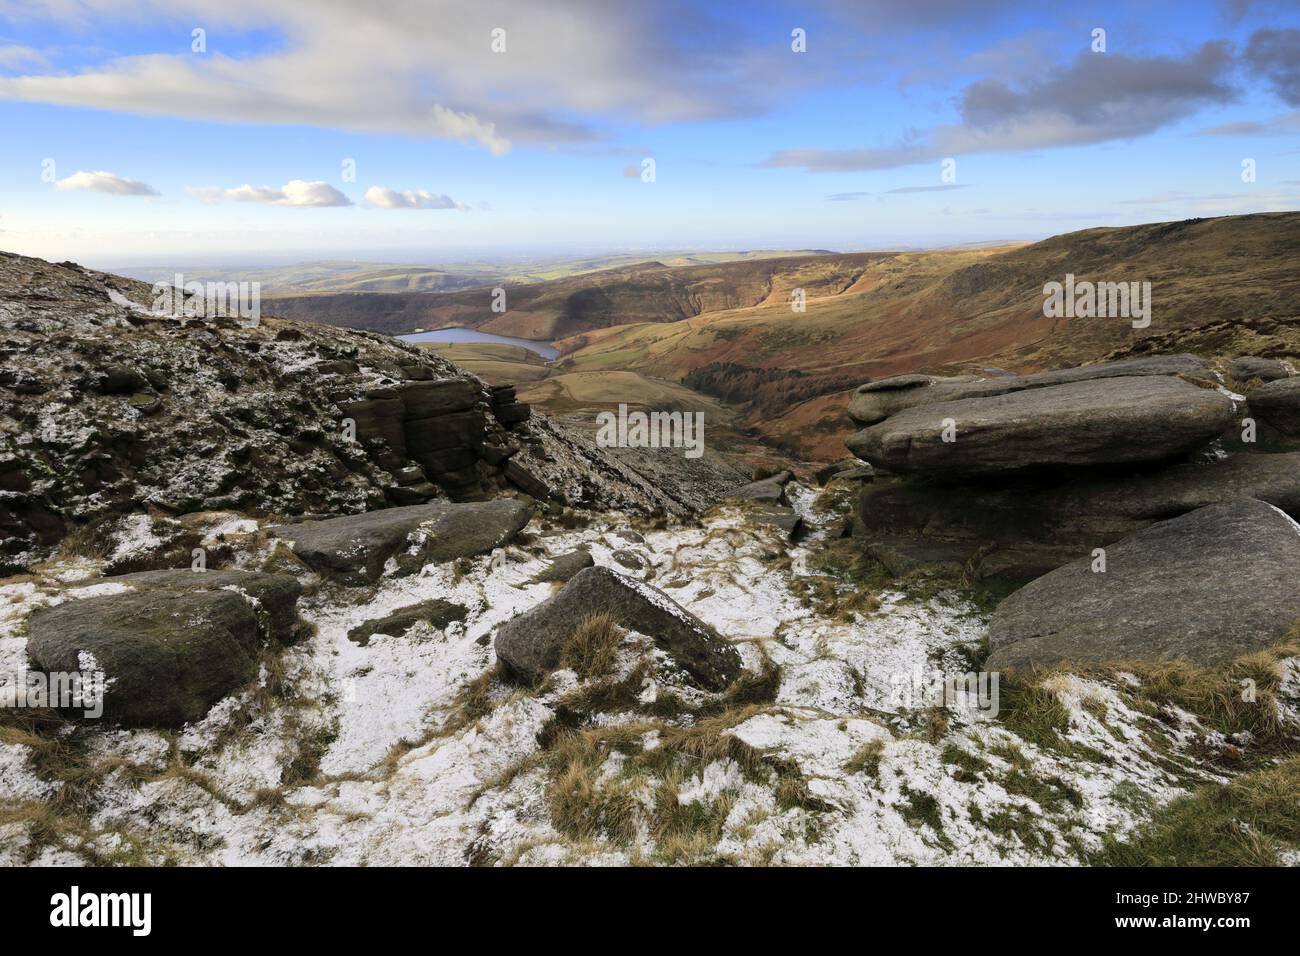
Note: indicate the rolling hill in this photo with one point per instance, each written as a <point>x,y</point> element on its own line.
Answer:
<point>639,292</point>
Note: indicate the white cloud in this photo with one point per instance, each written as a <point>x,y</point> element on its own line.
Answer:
<point>424,67</point>
<point>413,199</point>
<point>104,182</point>
<point>12,56</point>
<point>296,192</point>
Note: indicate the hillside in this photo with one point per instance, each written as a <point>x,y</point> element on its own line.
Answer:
<point>1218,286</point>
<point>638,292</point>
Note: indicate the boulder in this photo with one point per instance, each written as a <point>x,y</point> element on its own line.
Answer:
<point>436,612</point>
<point>275,595</point>
<point>531,643</point>
<point>1111,421</point>
<point>786,520</point>
<point>1246,367</point>
<point>166,655</point>
<point>1205,587</point>
<point>876,401</point>
<point>767,489</point>
<point>565,566</point>
<point>629,559</point>
<point>355,548</point>
<point>1278,404</point>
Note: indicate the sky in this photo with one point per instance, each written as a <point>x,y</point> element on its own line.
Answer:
<point>261,131</point>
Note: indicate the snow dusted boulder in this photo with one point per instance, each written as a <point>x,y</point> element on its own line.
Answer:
<point>530,644</point>
<point>166,656</point>
<point>1205,587</point>
<point>355,548</point>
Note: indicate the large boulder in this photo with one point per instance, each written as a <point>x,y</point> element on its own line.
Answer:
<point>1018,529</point>
<point>166,655</point>
<point>1111,421</point>
<point>1278,403</point>
<point>876,401</point>
<point>531,643</point>
<point>355,548</point>
<point>1205,587</point>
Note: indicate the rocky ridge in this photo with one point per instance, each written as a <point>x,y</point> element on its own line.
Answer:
<point>107,408</point>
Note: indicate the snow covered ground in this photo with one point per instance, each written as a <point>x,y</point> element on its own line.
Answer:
<point>409,751</point>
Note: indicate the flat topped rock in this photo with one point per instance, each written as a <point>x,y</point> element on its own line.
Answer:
<point>1246,367</point>
<point>1111,421</point>
<point>276,594</point>
<point>876,401</point>
<point>166,655</point>
<point>530,644</point>
<point>356,547</point>
<point>1205,587</point>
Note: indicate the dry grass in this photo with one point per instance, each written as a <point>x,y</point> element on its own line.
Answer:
<point>1248,822</point>
<point>592,649</point>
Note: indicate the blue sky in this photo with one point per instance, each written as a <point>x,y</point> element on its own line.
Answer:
<point>162,154</point>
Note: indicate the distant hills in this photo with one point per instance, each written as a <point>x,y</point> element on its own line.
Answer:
<point>348,275</point>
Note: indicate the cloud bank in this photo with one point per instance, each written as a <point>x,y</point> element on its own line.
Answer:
<point>386,198</point>
<point>296,192</point>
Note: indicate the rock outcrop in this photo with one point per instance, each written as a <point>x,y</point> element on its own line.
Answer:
<point>1043,468</point>
<point>356,548</point>
<point>1018,529</point>
<point>106,405</point>
<point>530,644</point>
<point>876,401</point>
<point>1118,420</point>
<point>1205,587</point>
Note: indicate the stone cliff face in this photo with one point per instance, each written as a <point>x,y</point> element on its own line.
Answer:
<point>107,408</point>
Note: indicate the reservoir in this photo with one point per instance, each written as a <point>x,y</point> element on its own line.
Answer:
<point>543,349</point>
